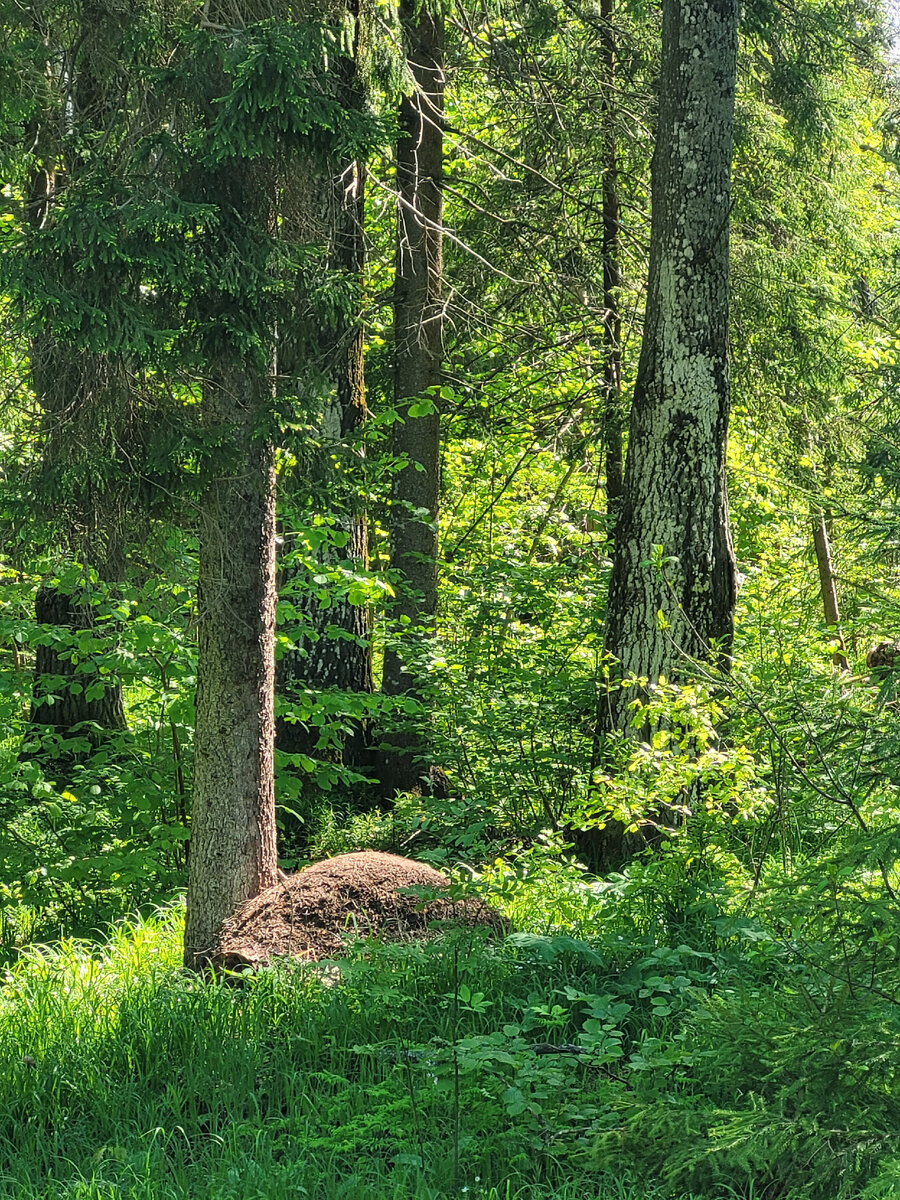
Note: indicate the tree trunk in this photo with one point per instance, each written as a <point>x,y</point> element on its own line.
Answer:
<point>232,849</point>
<point>828,588</point>
<point>672,590</point>
<point>338,655</point>
<point>612,275</point>
<point>418,317</point>
<point>233,839</point>
<point>84,398</point>
<point>345,663</point>
<point>71,711</point>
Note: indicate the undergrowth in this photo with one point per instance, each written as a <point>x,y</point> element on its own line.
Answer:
<point>549,1066</point>
<point>402,1071</point>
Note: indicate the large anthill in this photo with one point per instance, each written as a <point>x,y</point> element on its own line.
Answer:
<point>311,915</point>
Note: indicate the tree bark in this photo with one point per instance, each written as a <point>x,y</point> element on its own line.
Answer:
<point>232,854</point>
<point>418,347</point>
<point>612,274</point>
<point>672,591</point>
<point>828,588</point>
<point>232,848</point>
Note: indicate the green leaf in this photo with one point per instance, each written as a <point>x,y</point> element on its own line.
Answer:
<point>422,408</point>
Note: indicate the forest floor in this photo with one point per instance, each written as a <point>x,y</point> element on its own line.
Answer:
<point>397,1072</point>
<point>596,1057</point>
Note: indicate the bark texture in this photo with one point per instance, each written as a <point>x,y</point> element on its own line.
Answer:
<point>612,274</point>
<point>418,352</point>
<point>233,839</point>
<point>675,487</point>
<point>232,849</point>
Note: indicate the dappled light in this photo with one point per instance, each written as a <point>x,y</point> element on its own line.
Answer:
<point>449,600</point>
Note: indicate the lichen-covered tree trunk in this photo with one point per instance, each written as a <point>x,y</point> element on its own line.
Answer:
<point>672,591</point>
<point>418,320</point>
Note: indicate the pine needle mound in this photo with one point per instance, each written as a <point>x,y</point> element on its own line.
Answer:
<point>310,915</point>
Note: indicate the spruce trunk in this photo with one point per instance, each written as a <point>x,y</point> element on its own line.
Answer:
<point>233,839</point>
<point>232,849</point>
<point>418,317</point>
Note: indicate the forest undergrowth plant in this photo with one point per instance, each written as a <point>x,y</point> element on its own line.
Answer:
<point>121,1074</point>
<point>95,821</point>
<point>675,775</point>
<point>782,1077</point>
<point>822,856</point>
<point>111,841</point>
<point>519,629</point>
<point>777,1091</point>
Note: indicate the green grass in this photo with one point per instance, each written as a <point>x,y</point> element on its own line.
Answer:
<point>121,1077</point>
<point>418,1072</point>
